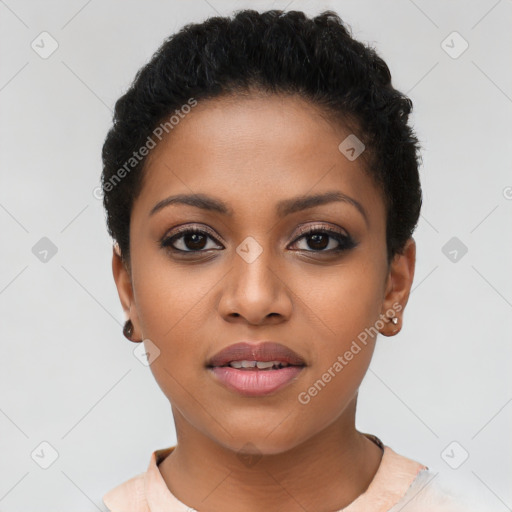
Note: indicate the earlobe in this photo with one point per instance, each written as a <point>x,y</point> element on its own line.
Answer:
<point>398,288</point>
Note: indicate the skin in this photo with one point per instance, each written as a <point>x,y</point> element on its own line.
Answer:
<point>252,152</point>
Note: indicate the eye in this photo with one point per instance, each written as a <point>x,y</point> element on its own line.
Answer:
<point>319,240</point>
<point>190,239</point>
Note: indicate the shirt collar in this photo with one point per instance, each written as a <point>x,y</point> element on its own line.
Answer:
<point>394,476</point>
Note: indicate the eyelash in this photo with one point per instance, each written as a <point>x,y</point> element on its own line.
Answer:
<point>345,241</point>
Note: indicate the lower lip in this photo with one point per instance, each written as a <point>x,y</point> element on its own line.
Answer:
<point>255,382</point>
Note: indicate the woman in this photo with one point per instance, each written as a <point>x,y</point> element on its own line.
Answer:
<point>261,185</point>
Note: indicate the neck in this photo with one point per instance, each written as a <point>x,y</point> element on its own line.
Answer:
<point>339,460</point>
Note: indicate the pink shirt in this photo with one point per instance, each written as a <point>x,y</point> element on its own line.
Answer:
<point>400,484</point>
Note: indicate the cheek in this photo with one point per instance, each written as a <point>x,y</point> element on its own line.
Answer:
<point>330,389</point>
<point>342,353</point>
<point>170,309</point>
<point>340,304</point>
<point>343,336</point>
<point>171,300</point>
<point>342,310</point>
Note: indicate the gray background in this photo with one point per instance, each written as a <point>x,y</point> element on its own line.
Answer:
<point>69,378</point>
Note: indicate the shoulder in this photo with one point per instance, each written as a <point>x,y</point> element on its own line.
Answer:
<point>135,494</point>
<point>128,496</point>
<point>429,492</point>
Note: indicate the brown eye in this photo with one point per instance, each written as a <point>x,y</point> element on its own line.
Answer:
<point>325,240</point>
<point>191,240</point>
<point>318,241</point>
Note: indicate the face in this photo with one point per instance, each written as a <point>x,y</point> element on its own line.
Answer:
<point>260,265</point>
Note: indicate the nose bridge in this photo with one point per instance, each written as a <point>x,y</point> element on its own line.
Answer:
<point>255,290</point>
<point>252,266</point>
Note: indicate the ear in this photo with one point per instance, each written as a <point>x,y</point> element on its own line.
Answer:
<point>123,280</point>
<point>398,288</point>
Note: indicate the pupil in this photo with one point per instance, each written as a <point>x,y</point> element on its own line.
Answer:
<point>194,237</point>
<point>315,240</point>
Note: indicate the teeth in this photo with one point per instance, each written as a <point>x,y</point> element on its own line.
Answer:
<point>259,364</point>
<point>267,364</point>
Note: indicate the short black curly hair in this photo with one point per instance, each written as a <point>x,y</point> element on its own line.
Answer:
<point>273,52</point>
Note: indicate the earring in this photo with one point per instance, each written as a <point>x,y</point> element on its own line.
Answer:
<point>394,320</point>
<point>128,331</point>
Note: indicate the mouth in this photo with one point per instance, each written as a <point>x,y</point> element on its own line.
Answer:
<point>256,369</point>
<point>256,365</point>
<point>248,355</point>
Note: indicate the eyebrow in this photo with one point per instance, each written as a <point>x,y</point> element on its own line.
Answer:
<point>283,207</point>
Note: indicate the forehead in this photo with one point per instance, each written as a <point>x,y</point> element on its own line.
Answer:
<point>254,149</point>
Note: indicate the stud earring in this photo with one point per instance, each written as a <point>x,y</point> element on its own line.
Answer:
<point>128,331</point>
<point>394,320</point>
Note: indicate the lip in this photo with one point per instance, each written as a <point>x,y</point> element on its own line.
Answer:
<point>255,382</point>
<point>262,351</point>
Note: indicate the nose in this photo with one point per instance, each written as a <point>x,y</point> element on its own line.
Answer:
<point>255,292</point>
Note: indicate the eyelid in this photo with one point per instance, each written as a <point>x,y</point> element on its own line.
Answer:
<point>325,227</point>
<point>301,231</point>
<point>184,228</point>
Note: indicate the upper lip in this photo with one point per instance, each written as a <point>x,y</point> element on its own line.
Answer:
<point>263,351</point>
